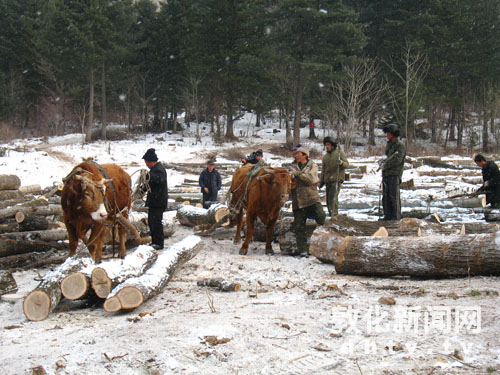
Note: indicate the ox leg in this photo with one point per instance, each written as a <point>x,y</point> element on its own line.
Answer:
<point>96,241</point>
<point>73,239</point>
<point>269,236</point>
<point>122,233</point>
<point>248,234</point>
<point>239,224</point>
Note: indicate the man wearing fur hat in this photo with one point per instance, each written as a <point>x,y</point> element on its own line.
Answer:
<point>392,173</point>
<point>305,197</point>
<point>157,198</point>
<point>333,174</point>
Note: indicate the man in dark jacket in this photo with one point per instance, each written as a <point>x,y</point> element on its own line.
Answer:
<point>491,180</point>
<point>253,158</point>
<point>211,183</point>
<point>157,198</point>
<point>392,173</point>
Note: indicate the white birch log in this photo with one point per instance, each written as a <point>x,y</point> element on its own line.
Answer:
<point>135,291</point>
<point>44,298</point>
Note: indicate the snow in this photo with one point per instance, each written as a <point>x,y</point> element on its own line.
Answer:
<point>288,311</point>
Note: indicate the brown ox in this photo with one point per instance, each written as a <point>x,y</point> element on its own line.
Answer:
<point>263,197</point>
<point>93,197</point>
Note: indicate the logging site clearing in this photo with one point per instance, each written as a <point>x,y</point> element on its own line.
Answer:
<point>414,296</point>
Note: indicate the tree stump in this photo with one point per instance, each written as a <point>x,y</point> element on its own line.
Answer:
<point>135,291</point>
<point>45,297</point>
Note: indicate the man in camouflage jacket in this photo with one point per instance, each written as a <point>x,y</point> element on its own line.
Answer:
<point>392,173</point>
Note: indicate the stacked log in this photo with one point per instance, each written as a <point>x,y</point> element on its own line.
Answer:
<point>45,297</point>
<point>7,283</point>
<point>135,291</point>
<point>193,216</point>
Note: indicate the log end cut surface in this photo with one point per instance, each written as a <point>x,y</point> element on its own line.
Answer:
<point>36,305</point>
<point>101,283</point>
<point>112,304</point>
<point>74,286</point>
<point>130,297</point>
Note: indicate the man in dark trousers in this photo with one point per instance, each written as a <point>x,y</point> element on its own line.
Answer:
<point>157,198</point>
<point>392,173</point>
<point>211,183</point>
<point>491,180</point>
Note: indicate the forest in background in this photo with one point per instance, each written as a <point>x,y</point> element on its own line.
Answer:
<point>432,66</point>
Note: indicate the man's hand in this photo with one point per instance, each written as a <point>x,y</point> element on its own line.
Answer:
<point>205,189</point>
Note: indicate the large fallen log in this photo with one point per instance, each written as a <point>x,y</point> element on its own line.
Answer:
<point>44,211</point>
<point>326,239</point>
<point>13,202</point>
<point>7,283</point>
<point>436,257</point>
<point>42,235</point>
<point>108,275</point>
<point>193,216</point>
<point>31,260</point>
<point>9,246</point>
<point>135,291</point>
<point>29,222</point>
<point>44,298</point>
<point>9,182</point>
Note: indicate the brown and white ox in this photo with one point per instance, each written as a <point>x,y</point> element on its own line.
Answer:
<point>263,197</point>
<point>92,197</point>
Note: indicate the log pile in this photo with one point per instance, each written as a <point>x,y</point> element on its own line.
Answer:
<point>125,284</point>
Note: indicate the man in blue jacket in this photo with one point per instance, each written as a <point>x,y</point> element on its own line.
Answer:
<point>157,198</point>
<point>211,183</point>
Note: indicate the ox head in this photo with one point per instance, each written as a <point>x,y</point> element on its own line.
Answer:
<point>90,196</point>
<point>280,182</point>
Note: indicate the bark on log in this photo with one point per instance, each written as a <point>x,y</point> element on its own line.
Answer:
<point>9,182</point>
<point>326,239</point>
<point>30,189</point>
<point>7,283</point>
<point>436,257</point>
<point>9,246</point>
<point>45,297</point>
<point>53,191</point>
<point>39,202</point>
<point>10,194</point>
<point>219,284</point>
<point>471,202</point>
<point>30,260</point>
<point>50,235</point>
<point>29,222</point>
<point>467,172</point>
<point>135,291</point>
<point>43,211</point>
<point>109,274</point>
<point>193,216</point>
<point>13,202</point>
<point>9,226</point>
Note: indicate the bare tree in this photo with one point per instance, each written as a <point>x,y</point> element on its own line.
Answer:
<point>355,97</point>
<point>406,101</point>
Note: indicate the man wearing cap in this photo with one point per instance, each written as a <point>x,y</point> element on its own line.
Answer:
<point>392,173</point>
<point>157,198</point>
<point>333,174</point>
<point>305,197</point>
<point>211,183</point>
<point>253,158</point>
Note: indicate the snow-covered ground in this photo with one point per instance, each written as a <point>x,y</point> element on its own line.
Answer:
<point>292,316</point>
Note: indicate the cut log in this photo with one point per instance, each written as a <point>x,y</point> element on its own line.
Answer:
<point>9,246</point>
<point>75,285</point>
<point>45,297</point>
<point>30,189</point>
<point>436,257</point>
<point>135,291</point>
<point>220,284</point>
<point>10,194</point>
<point>54,190</point>
<point>43,211</point>
<point>9,182</point>
<point>326,239</point>
<point>471,202</point>
<point>109,274</point>
<point>39,202</point>
<point>9,226</point>
<point>193,216</point>
<point>466,172</point>
<point>30,222</point>
<point>7,283</point>
<point>13,202</point>
<point>42,235</point>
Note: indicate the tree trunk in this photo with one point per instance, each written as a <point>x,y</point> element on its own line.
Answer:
<point>10,246</point>
<point>108,275</point>
<point>45,297</point>
<point>298,108</point>
<point>7,283</point>
<point>104,111</point>
<point>9,182</point>
<point>192,216</point>
<point>220,284</point>
<point>90,119</point>
<point>30,222</point>
<point>437,256</point>
<point>135,291</point>
<point>44,211</point>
